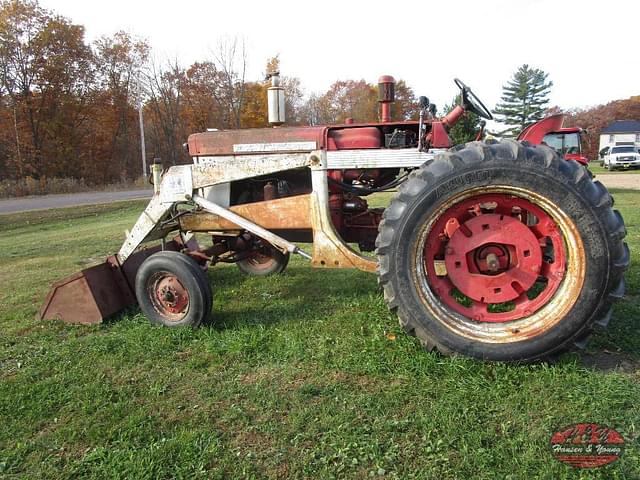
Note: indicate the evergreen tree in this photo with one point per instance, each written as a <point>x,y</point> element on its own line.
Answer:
<point>524,99</point>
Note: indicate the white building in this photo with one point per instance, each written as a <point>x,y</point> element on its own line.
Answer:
<point>620,132</point>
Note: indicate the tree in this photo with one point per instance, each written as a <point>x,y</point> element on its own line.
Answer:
<point>203,107</point>
<point>46,70</point>
<point>356,99</point>
<point>406,106</point>
<point>346,99</point>
<point>467,127</point>
<point>230,61</point>
<point>524,99</point>
<point>596,118</point>
<point>120,62</point>
<point>165,106</point>
<point>254,109</point>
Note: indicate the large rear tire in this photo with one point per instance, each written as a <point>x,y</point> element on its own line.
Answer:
<point>501,251</point>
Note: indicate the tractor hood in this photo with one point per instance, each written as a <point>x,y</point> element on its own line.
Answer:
<point>254,140</point>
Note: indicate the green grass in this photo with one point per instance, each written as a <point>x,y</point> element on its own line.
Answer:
<point>596,169</point>
<point>306,375</point>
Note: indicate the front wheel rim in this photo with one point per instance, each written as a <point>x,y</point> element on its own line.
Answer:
<point>168,296</point>
<point>451,250</point>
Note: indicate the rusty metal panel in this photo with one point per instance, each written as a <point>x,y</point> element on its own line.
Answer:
<point>329,250</point>
<point>282,213</point>
<point>222,142</point>
<point>87,297</point>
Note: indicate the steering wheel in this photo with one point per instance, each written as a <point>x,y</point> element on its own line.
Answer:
<point>471,102</point>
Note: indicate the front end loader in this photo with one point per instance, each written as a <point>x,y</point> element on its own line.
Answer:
<point>499,250</point>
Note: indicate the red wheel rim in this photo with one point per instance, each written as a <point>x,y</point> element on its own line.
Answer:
<point>260,260</point>
<point>495,257</point>
<point>168,296</point>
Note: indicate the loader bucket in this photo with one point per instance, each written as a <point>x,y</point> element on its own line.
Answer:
<point>95,293</point>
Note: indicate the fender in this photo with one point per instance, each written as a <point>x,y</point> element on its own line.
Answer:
<point>536,132</point>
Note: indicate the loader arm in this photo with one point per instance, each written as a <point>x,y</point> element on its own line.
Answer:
<point>182,184</point>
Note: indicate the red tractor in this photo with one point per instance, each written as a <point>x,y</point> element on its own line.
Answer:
<point>564,140</point>
<point>498,250</point>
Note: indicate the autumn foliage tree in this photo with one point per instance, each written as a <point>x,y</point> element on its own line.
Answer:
<point>45,69</point>
<point>596,118</point>
<point>70,108</point>
<point>358,100</point>
<point>119,61</point>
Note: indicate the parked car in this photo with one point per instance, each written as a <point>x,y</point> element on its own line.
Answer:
<point>601,155</point>
<point>623,156</point>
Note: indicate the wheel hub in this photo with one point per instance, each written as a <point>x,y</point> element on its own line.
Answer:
<point>171,295</point>
<point>493,258</point>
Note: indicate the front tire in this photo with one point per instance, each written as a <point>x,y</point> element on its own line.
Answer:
<point>173,291</point>
<point>501,251</point>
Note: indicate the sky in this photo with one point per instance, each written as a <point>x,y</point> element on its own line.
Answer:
<point>588,48</point>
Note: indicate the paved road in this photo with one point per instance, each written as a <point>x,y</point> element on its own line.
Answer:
<point>41,202</point>
<point>611,180</point>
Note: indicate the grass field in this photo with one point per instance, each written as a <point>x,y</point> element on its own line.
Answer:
<point>306,375</point>
<point>596,168</point>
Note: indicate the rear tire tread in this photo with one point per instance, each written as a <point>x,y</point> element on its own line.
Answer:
<point>541,157</point>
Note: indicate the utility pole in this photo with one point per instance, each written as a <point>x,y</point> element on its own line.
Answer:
<point>142,146</point>
<point>143,149</point>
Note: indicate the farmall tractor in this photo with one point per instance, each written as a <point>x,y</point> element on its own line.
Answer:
<point>499,250</point>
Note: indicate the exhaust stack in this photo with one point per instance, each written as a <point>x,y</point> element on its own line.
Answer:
<point>275,100</point>
<point>386,96</point>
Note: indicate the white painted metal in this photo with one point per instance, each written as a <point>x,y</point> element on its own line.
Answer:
<point>214,170</point>
<point>388,158</point>
<point>176,184</point>
<point>273,147</point>
<point>156,174</point>
<point>148,221</point>
<point>220,193</point>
